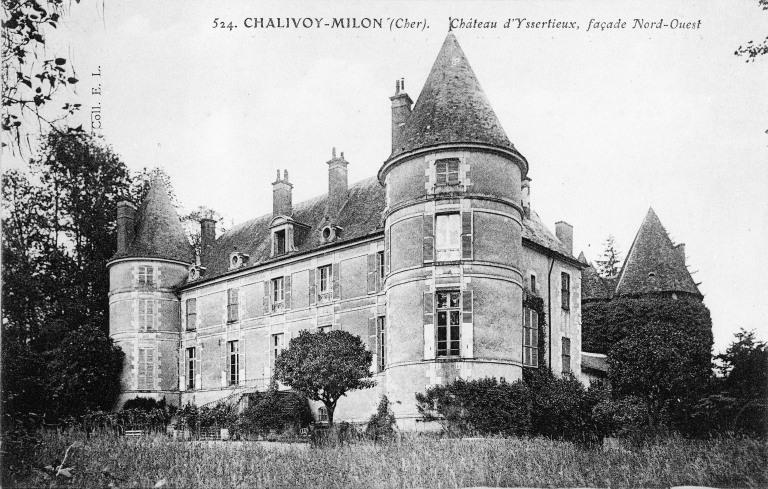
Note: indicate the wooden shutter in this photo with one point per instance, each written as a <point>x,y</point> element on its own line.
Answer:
<point>312,286</point>
<point>336,283</point>
<point>265,303</point>
<point>428,248</point>
<point>372,334</point>
<point>466,235</point>
<point>287,291</point>
<point>429,308</point>
<point>466,304</point>
<point>372,273</point>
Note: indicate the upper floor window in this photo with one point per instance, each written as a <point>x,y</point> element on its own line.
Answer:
<point>191,314</point>
<point>146,275</point>
<point>233,305</point>
<point>191,354</point>
<point>533,284</point>
<point>146,314</point>
<point>530,338</point>
<point>381,360</point>
<point>380,266</point>
<point>233,347</point>
<point>565,290</point>
<point>278,294</point>
<point>566,355</point>
<point>279,237</point>
<point>326,285</point>
<point>448,308</point>
<point>447,171</point>
<point>448,237</point>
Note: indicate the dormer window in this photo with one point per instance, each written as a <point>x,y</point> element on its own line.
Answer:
<point>330,233</point>
<point>447,171</point>
<point>279,237</point>
<point>196,272</point>
<point>237,260</point>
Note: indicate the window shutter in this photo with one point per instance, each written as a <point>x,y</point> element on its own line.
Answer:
<point>429,308</point>
<point>466,235</point>
<point>265,304</point>
<point>372,273</point>
<point>312,287</point>
<point>387,253</point>
<point>428,249</point>
<point>336,283</point>
<point>287,291</point>
<point>466,303</point>
<point>142,370</point>
<point>372,335</point>
<point>289,244</point>
<point>150,369</point>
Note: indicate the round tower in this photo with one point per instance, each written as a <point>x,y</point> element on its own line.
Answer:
<point>453,237</point>
<point>152,259</point>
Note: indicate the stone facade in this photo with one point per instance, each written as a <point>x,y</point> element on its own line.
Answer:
<point>428,263</point>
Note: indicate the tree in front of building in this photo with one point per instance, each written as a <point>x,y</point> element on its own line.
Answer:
<point>325,366</point>
<point>609,264</point>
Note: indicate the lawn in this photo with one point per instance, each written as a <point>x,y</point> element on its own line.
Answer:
<point>414,462</point>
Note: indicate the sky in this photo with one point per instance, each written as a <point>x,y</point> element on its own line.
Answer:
<point>611,121</point>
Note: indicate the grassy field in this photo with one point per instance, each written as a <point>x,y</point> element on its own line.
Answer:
<point>142,462</point>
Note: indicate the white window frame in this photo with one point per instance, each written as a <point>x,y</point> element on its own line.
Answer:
<point>191,317</point>
<point>233,362</point>
<point>233,305</point>
<point>191,367</point>
<point>452,314</point>
<point>451,168</point>
<point>530,337</point>
<point>277,345</point>
<point>146,276</point>
<point>448,236</point>
<point>277,293</point>
<point>147,314</point>
<point>325,287</point>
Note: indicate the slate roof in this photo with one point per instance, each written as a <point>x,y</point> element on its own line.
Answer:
<point>594,361</point>
<point>451,108</point>
<point>654,264</point>
<point>534,230</point>
<point>158,231</point>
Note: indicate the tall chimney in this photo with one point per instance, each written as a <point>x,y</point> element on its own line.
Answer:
<point>564,233</point>
<point>401,109</point>
<point>282,190</point>
<point>526,191</point>
<point>337,184</point>
<point>207,237</point>
<point>126,224</point>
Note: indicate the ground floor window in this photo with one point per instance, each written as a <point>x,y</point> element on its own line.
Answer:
<point>234,362</point>
<point>381,361</point>
<point>191,354</point>
<point>530,338</point>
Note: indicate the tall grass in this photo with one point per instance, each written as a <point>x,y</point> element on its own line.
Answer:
<point>413,462</point>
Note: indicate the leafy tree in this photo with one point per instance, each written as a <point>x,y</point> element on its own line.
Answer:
<point>31,77</point>
<point>608,266</point>
<point>83,373</point>
<point>745,367</point>
<point>325,366</point>
<point>191,222</point>
<point>665,365</point>
<point>752,50</point>
<point>604,324</point>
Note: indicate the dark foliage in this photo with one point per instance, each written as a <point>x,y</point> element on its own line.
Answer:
<point>381,425</point>
<point>275,411</point>
<point>536,303</point>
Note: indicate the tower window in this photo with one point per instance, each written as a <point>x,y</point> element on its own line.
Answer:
<point>146,315</point>
<point>380,323</point>
<point>448,323</point>
<point>233,347</point>
<point>146,369</point>
<point>565,290</point>
<point>530,338</point>
<point>191,314</point>
<point>146,276</point>
<point>533,284</point>
<point>566,355</point>
<point>448,237</point>
<point>447,171</point>
<point>233,305</point>
<point>191,354</point>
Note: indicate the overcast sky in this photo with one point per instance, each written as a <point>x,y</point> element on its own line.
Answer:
<point>611,122</point>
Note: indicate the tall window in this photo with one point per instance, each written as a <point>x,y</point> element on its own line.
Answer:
<point>326,285</point>
<point>233,347</point>
<point>322,414</point>
<point>146,314</point>
<point>380,323</point>
<point>448,324</point>
<point>447,172</point>
<point>278,294</point>
<point>146,276</point>
<point>565,290</point>
<point>280,242</point>
<point>191,314</point>
<point>530,338</point>
<point>447,237</point>
<point>191,354</point>
<point>533,283</point>
<point>277,346</point>
<point>233,305</point>
<point>146,370</point>
<point>566,356</point>
<point>380,265</point>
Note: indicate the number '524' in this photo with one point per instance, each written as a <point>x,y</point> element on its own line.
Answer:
<point>220,24</point>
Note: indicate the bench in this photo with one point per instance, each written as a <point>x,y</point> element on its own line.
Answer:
<point>134,432</point>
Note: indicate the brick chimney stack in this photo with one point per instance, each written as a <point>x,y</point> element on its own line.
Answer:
<point>526,200</point>
<point>337,184</point>
<point>207,237</point>
<point>564,233</point>
<point>282,195</point>
<point>401,109</point>
<point>126,224</point>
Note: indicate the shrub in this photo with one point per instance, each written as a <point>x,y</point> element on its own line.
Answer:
<point>484,406</point>
<point>275,410</point>
<point>381,425</point>
<point>621,417</point>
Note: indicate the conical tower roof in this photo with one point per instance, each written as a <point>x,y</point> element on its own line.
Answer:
<point>654,264</point>
<point>159,233</point>
<point>452,107</point>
